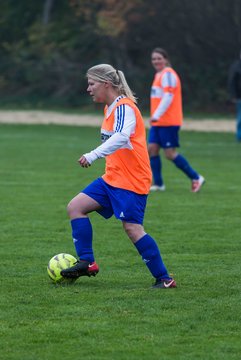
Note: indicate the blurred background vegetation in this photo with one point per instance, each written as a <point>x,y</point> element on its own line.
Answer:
<point>47,46</point>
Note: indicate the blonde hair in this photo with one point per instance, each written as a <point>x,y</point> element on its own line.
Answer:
<point>106,72</point>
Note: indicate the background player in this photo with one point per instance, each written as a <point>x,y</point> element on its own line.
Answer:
<point>166,119</point>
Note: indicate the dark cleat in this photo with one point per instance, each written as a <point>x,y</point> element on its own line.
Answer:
<point>81,268</point>
<point>164,284</point>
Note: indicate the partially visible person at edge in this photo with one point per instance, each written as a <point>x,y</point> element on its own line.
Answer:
<point>166,120</point>
<point>234,87</point>
<point>122,191</point>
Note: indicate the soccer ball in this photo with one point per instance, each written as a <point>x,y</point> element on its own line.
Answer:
<point>58,263</point>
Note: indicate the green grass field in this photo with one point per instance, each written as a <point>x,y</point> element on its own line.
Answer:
<point>116,315</point>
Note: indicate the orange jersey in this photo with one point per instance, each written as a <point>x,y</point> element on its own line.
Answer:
<point>128,168</point>
<point>167,81</point>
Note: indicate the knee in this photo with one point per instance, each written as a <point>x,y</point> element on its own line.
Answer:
<point>72,210</point>
<point>130,232</point>
<point>170,154</point>
<point>69,209</point>
<point>134,231</point>
<point>153,150</point>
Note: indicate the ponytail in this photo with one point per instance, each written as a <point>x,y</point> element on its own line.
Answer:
<point>106,72</point>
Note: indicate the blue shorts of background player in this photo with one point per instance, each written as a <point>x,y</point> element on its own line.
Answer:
<point>164,136</point>
<point>125,205</point>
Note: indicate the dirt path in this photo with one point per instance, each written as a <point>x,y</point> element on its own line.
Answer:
<point>45,117</point>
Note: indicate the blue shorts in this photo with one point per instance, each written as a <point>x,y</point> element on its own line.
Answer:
<point>124,204</point>
<point>165,136</point>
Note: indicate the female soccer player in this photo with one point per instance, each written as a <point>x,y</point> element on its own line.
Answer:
<point>124,187</point>
<point>166,120</point>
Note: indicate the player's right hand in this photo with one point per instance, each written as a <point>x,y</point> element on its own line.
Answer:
<point>83,162</point>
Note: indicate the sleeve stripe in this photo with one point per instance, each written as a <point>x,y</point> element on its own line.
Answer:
<point>120,118</point>
<point>169,79</point>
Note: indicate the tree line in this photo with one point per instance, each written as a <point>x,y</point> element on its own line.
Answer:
<point>47,46</point>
